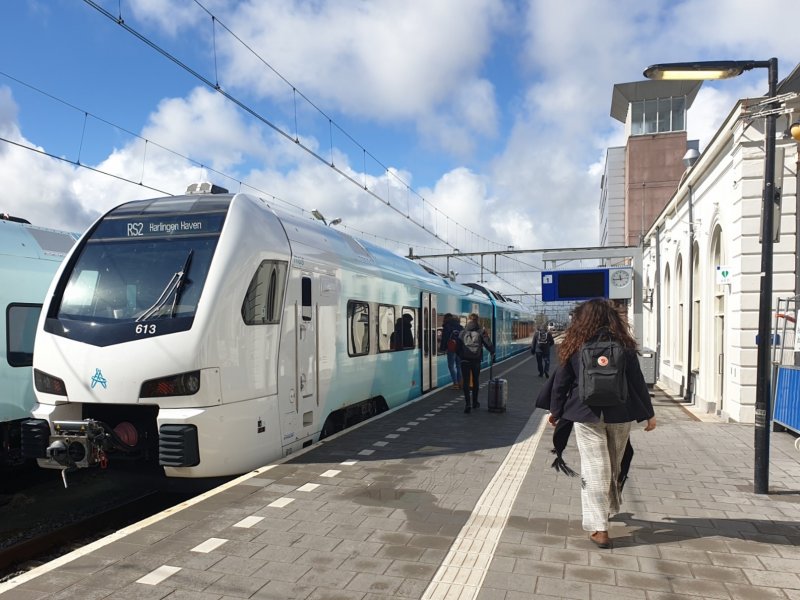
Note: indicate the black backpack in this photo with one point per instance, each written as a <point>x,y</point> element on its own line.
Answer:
<point>602,381</point>
<point>471,342</point>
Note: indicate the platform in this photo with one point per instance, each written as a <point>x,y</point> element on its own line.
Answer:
<point>429,502</point>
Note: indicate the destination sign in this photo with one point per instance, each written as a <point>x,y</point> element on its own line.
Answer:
<point>159,226</point>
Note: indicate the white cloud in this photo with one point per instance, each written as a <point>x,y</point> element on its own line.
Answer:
<point>513,98</point>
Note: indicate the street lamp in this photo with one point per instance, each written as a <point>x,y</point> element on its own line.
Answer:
<point>318,215</point>
<point>725,70</point>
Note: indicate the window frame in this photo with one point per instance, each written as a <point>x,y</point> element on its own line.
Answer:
<point>382,309</point>
<point>415,331</point>
<point>21,358</point>
<point>273,296</point>
<point>351,343</point>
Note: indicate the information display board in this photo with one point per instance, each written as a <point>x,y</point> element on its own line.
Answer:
<point>583,284</point>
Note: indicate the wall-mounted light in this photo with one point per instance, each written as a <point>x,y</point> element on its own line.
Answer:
<point>690,157</point>
<point>794,131</point>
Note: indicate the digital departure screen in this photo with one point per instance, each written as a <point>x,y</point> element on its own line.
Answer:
<point>138,226</point>
<point>591,284</point>
<point>580,284</point>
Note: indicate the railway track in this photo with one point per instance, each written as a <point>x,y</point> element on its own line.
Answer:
<point>40,520</point>
<point>30,553</point>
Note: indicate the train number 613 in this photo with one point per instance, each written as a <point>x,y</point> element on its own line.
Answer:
<point>144,329</point>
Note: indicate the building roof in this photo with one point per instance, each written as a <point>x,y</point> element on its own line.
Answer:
<point>791,83</point>
<point>625,93</point>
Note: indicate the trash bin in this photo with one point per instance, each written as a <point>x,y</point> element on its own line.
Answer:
<point>647,360</point>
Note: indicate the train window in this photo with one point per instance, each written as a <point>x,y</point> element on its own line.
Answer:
<point>264,299</point>
<point>426,325</point>
<point>358,328</point>
<point>21,321</point>
<point>439,332</point>
<point>386,335</point>
<point>306,298</point>
<point>404,329</point>
<point>130,280</point>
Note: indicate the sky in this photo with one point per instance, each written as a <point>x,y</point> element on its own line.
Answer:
<point>472,124</point>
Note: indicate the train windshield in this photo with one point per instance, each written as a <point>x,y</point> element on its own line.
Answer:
<point>116,281</point>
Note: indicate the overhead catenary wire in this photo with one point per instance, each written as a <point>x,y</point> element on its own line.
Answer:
<point>119,20</point>
<point>87,115</point>
<point>215,86</point>
<point>430,227</point>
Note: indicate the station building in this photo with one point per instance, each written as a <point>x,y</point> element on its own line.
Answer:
<point>698,227</point>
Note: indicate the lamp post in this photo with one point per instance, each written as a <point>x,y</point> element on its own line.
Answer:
<point>726,70</point>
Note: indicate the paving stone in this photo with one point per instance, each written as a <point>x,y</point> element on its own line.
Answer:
<point>381,528</point>
<point>699,587</point>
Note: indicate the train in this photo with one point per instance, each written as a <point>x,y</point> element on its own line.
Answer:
<point>211,333</point>
<point>29,258</point>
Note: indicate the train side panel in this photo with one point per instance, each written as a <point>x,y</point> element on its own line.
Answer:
<point>29,258</point>
<point>288,331</point>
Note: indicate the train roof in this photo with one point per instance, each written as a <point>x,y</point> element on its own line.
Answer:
<point>365,256</point>
<point>25,240</point>
<point>348,251</point>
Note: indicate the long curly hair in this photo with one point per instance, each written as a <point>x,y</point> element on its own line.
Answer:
<point>588,319</point>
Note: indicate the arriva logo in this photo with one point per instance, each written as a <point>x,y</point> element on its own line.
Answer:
<point>98,378</point>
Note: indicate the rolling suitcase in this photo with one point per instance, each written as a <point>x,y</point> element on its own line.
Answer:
<point>498,395</point>
<point>498,392</point>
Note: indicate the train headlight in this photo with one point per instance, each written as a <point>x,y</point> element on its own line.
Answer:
<point>48,384</point>
<point>184,384</point>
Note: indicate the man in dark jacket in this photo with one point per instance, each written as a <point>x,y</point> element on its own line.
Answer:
<point>542,342</point>
<point>471,342</point>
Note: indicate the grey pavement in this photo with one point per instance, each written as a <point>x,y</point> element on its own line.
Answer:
<point>427,502</point>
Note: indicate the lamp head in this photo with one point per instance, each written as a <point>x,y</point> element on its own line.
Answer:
<point>715,69</point>
<point>690,157</point>
<point>318,215</point>
<point>794,131</point>
<point>334,222</point>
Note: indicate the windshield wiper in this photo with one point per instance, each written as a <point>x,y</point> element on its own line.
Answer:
<point>181,283</point>
<point>174,286</point>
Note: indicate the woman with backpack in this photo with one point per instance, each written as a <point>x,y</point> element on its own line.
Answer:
<point>471,342</point>
<point>601,388</point>
<point>451,327</point>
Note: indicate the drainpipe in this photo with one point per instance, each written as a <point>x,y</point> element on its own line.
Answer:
<point>689,159</point>
<point>687,397</point>
<point>658,302</point>
<point>797,241</point>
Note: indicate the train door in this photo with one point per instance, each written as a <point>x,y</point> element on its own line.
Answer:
<point>428,339</point>
<point>306,343</point>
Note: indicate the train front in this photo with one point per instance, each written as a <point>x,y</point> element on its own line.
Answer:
<point>122,370</point>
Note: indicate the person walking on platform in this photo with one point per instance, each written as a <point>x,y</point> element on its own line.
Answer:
<point>471,342</point>
<point>542,342</point>
<point>451,328</point>
<point>601,388</point>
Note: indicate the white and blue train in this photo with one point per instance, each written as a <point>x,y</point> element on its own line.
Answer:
<point>208,334</point>
<point>29,257</point>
